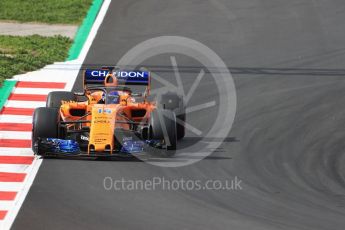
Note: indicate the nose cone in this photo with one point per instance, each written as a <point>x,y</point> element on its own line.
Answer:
<point>102,128</point>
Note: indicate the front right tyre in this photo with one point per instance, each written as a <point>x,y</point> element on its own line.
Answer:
<point>174,102</point>
<point>163,127</point>
<point>55,98</point>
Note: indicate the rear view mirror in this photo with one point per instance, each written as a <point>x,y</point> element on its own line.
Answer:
<point>137,94</point>
<point>79,93</point>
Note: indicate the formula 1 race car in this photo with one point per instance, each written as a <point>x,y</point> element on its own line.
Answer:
<point>108,118</point>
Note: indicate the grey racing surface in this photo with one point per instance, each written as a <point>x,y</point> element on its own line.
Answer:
<point>286,145</point>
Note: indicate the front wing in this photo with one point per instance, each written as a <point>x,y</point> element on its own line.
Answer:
<point>53,147</point>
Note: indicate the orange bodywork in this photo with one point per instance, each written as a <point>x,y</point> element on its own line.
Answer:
<point>102,128</point>
<point>104,118</point>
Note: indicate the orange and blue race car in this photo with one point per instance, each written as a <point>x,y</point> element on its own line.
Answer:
<point>108,119</point>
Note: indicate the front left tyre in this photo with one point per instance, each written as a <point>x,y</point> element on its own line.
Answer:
<point>44,125</point>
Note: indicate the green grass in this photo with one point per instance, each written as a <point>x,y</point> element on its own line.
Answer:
<point>22,54</point>
<point>45,11</point>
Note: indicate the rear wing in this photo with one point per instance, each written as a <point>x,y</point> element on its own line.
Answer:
<point>124,77</point>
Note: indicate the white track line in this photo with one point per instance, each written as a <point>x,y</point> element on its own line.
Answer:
<point>15,168</point>
<point>15,135</point>
<point>57,74</point>
<point>4,151</point>
<point>25,104</point>
<point>11,186</point>
<point>49,73</point>
<point>6,205</point>
<point>12,213</point>
<point>4,118</point>
<point>43,91</point>
<point>94,29</point>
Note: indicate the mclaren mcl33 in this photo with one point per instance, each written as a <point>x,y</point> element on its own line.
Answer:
<point>108,119</point>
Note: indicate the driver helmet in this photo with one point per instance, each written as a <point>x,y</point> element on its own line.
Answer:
<point>113,97</point>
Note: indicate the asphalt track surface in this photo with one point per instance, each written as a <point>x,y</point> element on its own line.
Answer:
<point>286,145</point>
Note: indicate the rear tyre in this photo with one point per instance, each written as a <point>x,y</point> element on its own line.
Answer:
<point>174,102</point>
<point>163,127</point>
<point>44,125</point>
<point>54,98</point>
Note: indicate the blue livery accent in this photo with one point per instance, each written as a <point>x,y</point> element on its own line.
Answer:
<point>97,76</point>
<point>133,77</point>
<point>132,147</point>
<point>63,146</point>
